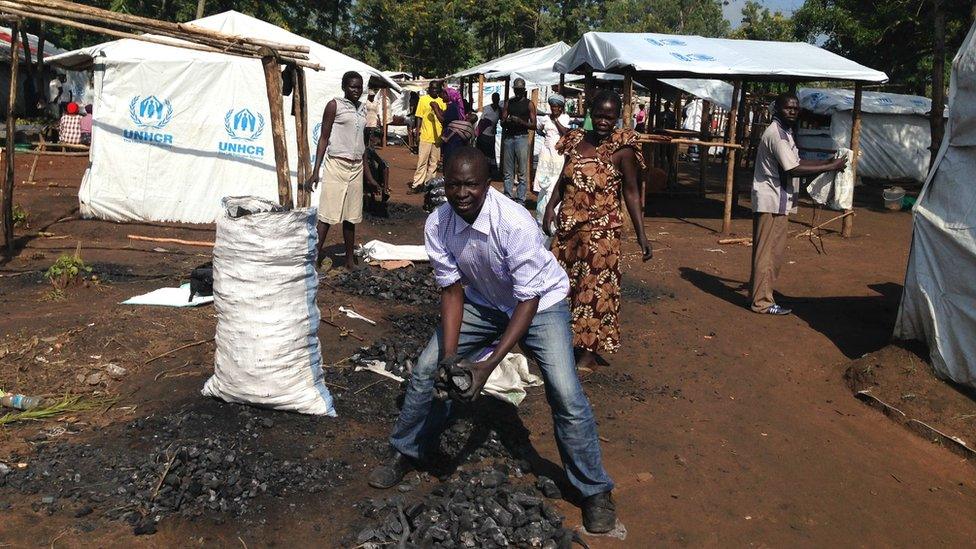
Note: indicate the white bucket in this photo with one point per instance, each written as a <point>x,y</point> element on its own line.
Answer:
<point>892,197</point>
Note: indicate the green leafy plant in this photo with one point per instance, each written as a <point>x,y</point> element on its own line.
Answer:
<point>67,271</point>
<point>21,217</point>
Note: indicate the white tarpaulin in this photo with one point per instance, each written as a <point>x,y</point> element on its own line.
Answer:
<point>176,130</point>
<point>895,132</point>
<point>687,56</point>
<point>939,301</point>
<point>715,91</point>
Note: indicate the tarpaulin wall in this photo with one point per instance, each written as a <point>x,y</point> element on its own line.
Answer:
<point>939,301</point>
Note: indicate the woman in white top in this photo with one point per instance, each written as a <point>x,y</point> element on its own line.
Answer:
<point>341,155</point>
<point>550,168</point>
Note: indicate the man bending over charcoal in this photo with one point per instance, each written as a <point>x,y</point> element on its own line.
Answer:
<point>498,282</point>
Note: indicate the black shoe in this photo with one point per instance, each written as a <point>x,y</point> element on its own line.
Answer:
<point>390,473</point>
<point>599,513</point>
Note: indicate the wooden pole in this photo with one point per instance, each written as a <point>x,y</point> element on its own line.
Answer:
<point>200,6</point>
<point>562,84</point>
<point>300,102</point>
<point>730,156</point>
<point>8,182</point>
<point>848,224</point>
<point>628,102</point>
<point>528,165</point>
<point>272,78</point>
<point>740,115</point>
<point>703,150</point>
<point>481,93</point>
<point>386,118</point>
<point>587,91</point>
<point>501,156</point>
<point>936,120</point>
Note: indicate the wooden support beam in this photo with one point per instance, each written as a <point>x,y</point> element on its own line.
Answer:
<point>562,84</point>
<point>272,78</point>
<point>386,117</point>
<point>481,93</point>
<point>740,115</point>
<point>8,182</point>
<point>703,149</point>
<point>628,113</point>
<point>300,110</point>
<point>730,158</point>
<point>847,226</point>
<point>501,155</point>
<point>528,165</point>
<point>587,92</point>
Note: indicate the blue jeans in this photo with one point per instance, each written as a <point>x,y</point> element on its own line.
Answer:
<point>516,150</point>
<point>549,340</point>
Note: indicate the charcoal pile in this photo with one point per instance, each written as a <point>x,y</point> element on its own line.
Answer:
<point>487,497</point>
<point>194,464</point>
<point>411,285</point>
<point>400,350</point>
<point>474,509</point>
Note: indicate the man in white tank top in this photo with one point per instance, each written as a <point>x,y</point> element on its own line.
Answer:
<point>340,156</point>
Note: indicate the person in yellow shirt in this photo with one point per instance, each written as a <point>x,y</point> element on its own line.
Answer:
<point>429,152</point>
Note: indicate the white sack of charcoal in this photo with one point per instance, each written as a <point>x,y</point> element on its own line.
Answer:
<point>268,351</point>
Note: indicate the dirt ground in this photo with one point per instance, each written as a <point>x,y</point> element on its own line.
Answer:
<point>719,426</point>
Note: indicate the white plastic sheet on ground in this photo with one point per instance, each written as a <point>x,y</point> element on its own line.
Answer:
<point>939,301</point>
<point>267,345</point>
<point>176,130</point>
<point>170,297</point>
<point>377,250</point>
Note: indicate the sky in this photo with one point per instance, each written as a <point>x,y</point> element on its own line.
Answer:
<point>732,9</point>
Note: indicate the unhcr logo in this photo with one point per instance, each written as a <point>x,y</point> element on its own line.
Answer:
<point>242,125</point>
<point>149,113</point>
<point>316,134</point>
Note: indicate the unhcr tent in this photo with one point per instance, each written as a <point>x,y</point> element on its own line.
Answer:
<point>939,301</point>
<point>671,56</point>
<point>76,84</point>
<point>176,130</point>
<point>534,65</point>
<point>895,132</point>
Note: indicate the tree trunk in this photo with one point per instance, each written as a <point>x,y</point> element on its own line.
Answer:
<point>936,121</point>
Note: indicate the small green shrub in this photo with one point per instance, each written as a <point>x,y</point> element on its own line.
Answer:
<point>21,217</point>
<point>67,271</point>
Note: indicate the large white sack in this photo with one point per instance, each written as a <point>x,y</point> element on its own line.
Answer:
<point>265,282</point>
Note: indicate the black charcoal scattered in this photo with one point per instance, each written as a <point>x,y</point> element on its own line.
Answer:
<point>486,497</point>
<point>409,285</point>
<point>638,291</point>
<point>480,508</point>
<point>409,334</point>
<point>189,463</point>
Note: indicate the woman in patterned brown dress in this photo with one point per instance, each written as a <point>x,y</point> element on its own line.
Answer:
<point>601,166</point>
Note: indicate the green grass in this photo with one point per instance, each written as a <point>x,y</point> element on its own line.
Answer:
<point>52,408</point>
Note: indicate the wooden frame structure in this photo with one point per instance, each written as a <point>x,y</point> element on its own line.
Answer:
<point>180,35</point>
<point>734,136</point>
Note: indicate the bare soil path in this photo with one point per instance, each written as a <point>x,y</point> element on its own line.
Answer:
<point>744,422</point>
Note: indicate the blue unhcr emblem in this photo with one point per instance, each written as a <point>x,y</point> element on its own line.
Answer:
<point>664,42</point>
<point>150,112</point>
<point>244,125</point>
<point>316,134</point>
<point>692,57</point>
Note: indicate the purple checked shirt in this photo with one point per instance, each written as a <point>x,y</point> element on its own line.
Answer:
<point>501,258</point>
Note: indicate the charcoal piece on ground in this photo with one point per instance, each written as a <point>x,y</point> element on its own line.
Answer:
<point>548,487</point>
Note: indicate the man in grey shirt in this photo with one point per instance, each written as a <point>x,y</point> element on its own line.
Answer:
<point>775,184</point>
